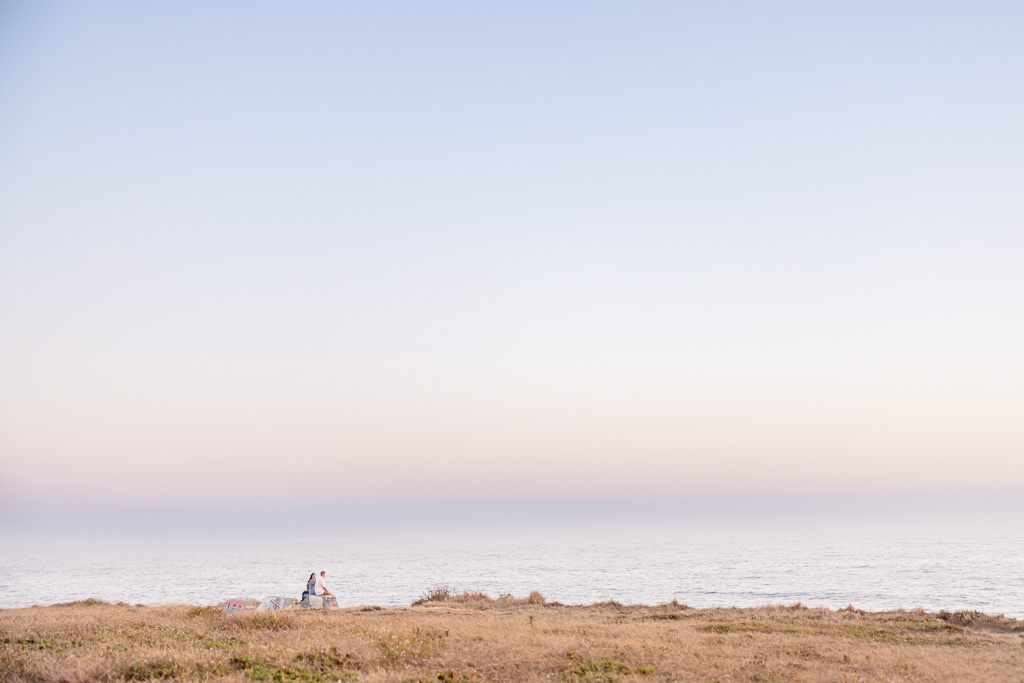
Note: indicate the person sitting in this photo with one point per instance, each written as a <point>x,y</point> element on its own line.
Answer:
<point>310,585</point>
<point>321,585</point>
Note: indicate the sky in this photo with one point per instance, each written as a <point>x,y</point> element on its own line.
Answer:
<point>267,253</point>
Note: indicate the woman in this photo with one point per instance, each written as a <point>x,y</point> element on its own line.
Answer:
<point>309,586</point>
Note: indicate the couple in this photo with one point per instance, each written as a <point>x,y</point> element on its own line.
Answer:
<point>317,585</point>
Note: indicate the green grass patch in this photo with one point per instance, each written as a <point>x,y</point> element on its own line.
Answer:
<point>603,670</point>
<point>330,660</point>
<point>30,643</point>
<point>152,671</point>
<point>215,641</point>
<point>453,676</point>
<point>748,627</point>
<point>320,667</point>
<point>260,670</point>
<point>907,632</point>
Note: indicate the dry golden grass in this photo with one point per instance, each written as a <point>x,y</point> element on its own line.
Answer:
<point>471,637</point>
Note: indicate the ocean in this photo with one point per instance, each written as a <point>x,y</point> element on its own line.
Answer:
<point>974,567</point>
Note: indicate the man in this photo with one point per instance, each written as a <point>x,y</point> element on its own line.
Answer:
<point>321,585</point>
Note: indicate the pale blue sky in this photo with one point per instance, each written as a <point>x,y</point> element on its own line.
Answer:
<point>540,250</point>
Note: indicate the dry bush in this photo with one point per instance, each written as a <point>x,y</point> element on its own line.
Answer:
<point>441,593</point>
<point>471,598</point>
<point>446,596</point>
<point>88,602</point>
<point>982,621</point>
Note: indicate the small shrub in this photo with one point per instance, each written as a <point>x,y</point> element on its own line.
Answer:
<point>972,619</point>
<point>535,598</point>
<point>444,594</point>
<point>440,593</point>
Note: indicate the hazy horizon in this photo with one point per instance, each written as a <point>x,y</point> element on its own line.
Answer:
<point>254,255</point>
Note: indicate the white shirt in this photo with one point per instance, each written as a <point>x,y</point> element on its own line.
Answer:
<point>318,587</point>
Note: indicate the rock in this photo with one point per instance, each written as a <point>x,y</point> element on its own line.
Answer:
<point>241,604</point>
<point>316,601</point>
<point>271,603</point>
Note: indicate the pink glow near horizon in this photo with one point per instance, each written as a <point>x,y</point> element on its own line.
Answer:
<point>541,252</point>
<point>564,443</point>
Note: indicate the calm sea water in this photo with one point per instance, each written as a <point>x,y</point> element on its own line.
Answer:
<point>980,568</point>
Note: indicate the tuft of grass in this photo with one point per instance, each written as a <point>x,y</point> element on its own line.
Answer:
<point>669,611</point>
<point>262,621</point>
<point>402,648</point>
<point>203,613</point>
